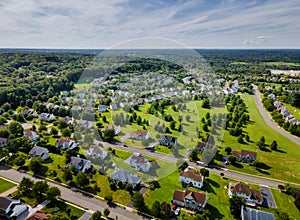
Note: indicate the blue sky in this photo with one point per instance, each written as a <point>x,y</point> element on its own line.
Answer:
<point>104,23</point>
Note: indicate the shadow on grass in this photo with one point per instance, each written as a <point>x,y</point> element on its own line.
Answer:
<point>237,165</point>
<point>262,171</point>
<point>214,212</point>
<point>280,151</point>
<point>214,183</point>
<point>208,186</point>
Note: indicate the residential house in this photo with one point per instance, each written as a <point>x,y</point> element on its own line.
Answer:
<point>242,190</point>
<point>46,117</point>
<point>203,146</point>
<point>69,120</point>
<point>254,214</point>
<point>140,135</point>
<point>191,177</point>
<point>80,164</point>
<point>37,151</point>
<point>245,155</point>
<point>271,96</point>
<point>39,215</point>
<point>140,163</point>
<point>102,108</point>
<point>11,207</point>
<point>66,143</point>
<point>190,199</point>
<point>85,124</point>
<point>32,135</point>
<point>277,104</point>
<point>168,141</point>
<point>116,128</point>
<point>97,152</point>
<point>125,176</point>
<point>113,107</point>
<point>3,142</point>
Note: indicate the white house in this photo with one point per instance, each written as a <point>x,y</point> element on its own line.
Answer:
<point>47,117</point>
<point>66,143</point>
<point>80,164</point>
<point>242,190</point>
<point>32,135</point>
<point>12,207</point>
<point>140,135</point>
<point>3,142</point>
<point>101,108</point>
<point>140,163</point>
<point>190,199</point>
<point>39,152</point>
<point>125,176</point>
<point>191,177</point>
<point>69,120</point>
<point>113,107</point>
<point>97,152</point>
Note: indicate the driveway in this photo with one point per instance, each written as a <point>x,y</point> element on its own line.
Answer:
<point>268,119</point>
<point>85,216</point>
<point>268,198</point>
<point>125,137</point>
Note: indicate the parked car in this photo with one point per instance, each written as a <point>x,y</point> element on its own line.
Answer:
<point>177,211</point>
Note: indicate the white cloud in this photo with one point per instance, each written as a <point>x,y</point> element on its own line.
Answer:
<point>98,24</point>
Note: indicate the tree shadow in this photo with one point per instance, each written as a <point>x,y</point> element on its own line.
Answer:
<point>262,171</point>
<point>280,151</point>
<point>214,183</point>
<point>214,212</point>
<point>237,165</point>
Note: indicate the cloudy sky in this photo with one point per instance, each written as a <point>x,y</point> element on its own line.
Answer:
<point>105,23</point>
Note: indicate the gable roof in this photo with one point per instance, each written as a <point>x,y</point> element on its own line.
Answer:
<point>139,133</point>
<point>199,197</point>
<point>139,159</point>
<point>192,174</point>
<point>5,202</point>
<point>244,153</point>
<point>38,151</point>
<point>78,161</point>
<point>239,187</point>
<point>125,175</point>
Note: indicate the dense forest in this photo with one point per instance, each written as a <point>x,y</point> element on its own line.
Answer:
<point>37,75</point>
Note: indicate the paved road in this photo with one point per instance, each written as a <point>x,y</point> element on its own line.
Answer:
<point>228,173</point>
<point>74,197</point>
<point>268,119</point>
<point>268,198</point>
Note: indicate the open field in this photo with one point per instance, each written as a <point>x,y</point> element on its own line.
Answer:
<point>5,185</point>
<point>284,164</point>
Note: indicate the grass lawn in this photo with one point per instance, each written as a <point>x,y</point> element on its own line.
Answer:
<point>5,185</point>
<point>218,202</point>
<point>54,163</point>
<point>284,164</point>
<point>285,203</point>
<point>60,206</point>
<point>119,196</point>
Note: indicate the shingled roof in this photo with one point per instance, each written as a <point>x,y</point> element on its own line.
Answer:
<point>199,197</point>
<point>190,173</point>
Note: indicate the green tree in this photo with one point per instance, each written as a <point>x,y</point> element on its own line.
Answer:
<point>138,201</point>
<point>54,131</point>
<point>235,205</point>
<point>194,155</point>
<point>274,145</point>
<point>156,209</point>
<point>231,159</point>
<point>172,125</point>
<point>15,128</point>
<point>109,135</point>
<point>62,124</point>
<point>106,212</point>
<point>240,139</point>
<point>228,150</point>
<point>96,215</point>
<point>52,193</point>
<point>25,187</point>
<point>39,189</point>
<point>37,167</point>
<point>59,216</point>
<point>204,172</point>
<point>67,175</point>
<point>82,180</point>
<point>66,132</point>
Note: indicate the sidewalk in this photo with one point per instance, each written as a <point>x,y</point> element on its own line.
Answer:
<point>9,191</point>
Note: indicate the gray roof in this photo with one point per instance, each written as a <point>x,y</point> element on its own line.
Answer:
<point>78,161</point>
<point>126,176</point>
<point>5,202</point>
<point>38,151</point>
<point>253,214</point>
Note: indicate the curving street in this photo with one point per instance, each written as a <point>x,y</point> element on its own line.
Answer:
<point>269,120</point>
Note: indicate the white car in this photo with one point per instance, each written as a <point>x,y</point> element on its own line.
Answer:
<point>177,211</point>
